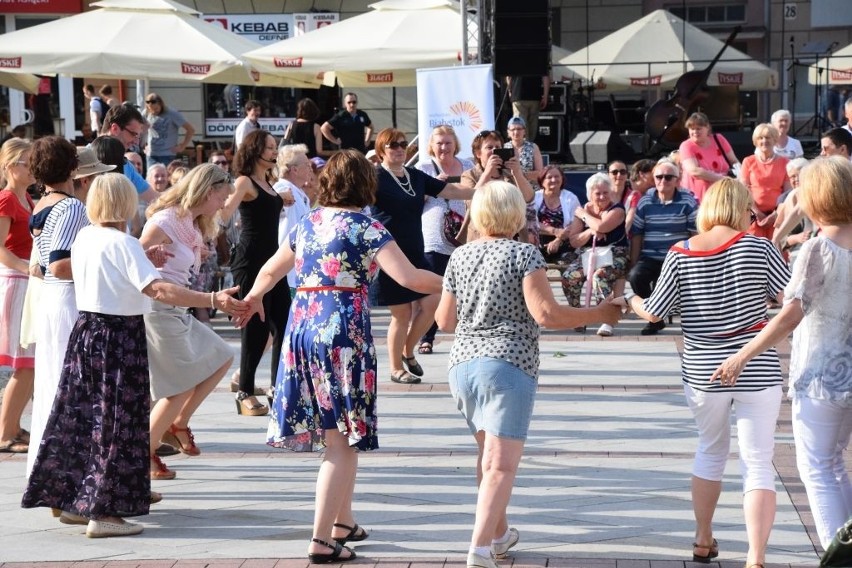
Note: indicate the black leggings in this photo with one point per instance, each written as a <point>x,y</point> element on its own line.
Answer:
<point>253,337</point>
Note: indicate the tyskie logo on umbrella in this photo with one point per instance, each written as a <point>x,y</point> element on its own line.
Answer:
<point>194,68</point>
<point>10,62</point>
<point>287,62</point>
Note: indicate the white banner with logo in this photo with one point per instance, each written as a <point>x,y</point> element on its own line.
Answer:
<point>228,126</point>
<point>461,97</point>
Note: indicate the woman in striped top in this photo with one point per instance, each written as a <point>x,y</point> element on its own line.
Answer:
<point>720,279</point>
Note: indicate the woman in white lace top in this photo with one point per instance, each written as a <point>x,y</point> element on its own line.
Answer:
<point>818,305</point>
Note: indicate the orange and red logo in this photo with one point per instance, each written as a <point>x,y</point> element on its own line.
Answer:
<point>469,112</point>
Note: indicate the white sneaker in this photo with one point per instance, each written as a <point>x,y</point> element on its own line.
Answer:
<point>500,549</point>
<point>104,529</point>
<point>605,330</point>
<point>477,561</point>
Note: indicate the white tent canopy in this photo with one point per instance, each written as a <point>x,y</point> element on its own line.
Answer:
<point>131,39</point>
<point>656,50</point>
<point>837,69</point>
<point>380,48</point>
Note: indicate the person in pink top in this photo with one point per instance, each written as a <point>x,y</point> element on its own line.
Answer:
<point>764,173</point>
<point>703,156</point>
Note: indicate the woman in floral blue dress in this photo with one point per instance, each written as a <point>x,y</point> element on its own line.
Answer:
<point>325,394</point>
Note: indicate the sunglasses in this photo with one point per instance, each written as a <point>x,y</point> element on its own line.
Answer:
<point>618,172</point>
<point>483,134</point>
<point>667,177</point>
<point>397,145</point>
<point>752,216</point>
<point>220,162</point>
<point>153,101</point>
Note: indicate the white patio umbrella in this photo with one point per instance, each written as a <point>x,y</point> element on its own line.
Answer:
<point>656,50</point>
<point>380,48</point>
<point>134,39</point>
<point>837,69</point>
<point>21,81</point>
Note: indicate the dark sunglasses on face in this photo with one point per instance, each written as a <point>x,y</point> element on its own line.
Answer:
<point>621,172</point>
<point>153,101</point>
<point>397,145</point>
<point>667,177</point>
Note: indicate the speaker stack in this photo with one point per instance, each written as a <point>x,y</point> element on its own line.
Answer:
<point>600,147</point>
<point>521,38</point>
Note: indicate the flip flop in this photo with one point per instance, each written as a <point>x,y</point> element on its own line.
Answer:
<point>15,446</point>
<point>412,365</point>
<point>404,377</point>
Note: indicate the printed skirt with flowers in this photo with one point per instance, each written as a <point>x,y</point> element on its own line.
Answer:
<point>327,379</point>
<point>93,458</point>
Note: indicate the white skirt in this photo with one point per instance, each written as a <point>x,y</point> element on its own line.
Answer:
<point>13,288</point>
<point>55,318</point>
<point>182,351</point>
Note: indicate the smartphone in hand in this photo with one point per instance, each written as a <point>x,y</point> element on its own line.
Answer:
<point>505,154</point>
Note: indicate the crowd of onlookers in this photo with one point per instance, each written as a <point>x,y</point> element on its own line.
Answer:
<point>108,282</point>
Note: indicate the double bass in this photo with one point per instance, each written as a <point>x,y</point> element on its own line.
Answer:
<point>664,121</point>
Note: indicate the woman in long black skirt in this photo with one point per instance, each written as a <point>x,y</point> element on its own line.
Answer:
<point>92,463</point>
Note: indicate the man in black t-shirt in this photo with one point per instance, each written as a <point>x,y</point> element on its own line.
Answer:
<point>349,128</point>
<point>529,96</point>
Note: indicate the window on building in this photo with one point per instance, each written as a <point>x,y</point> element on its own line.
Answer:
<point>710,15</point>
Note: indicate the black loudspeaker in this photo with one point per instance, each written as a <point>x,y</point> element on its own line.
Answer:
<point>600,147</point>
<point>521,38</point>
<point>549,135</point>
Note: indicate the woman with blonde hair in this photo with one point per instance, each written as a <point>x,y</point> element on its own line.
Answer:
<point>720,279</point>
<point>16,244</point>
<point>817,305</point>
<point>764,173</point>
<point>187,358</point>
<point>445,165</point>
<point>92,462</point>
<point>495,297</point>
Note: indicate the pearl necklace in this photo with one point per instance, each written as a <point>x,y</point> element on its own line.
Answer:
<point>406,187</point>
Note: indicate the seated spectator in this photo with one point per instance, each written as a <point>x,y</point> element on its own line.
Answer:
<point>786,146</point>
<point>598,225</point>
<point>554,208</point>
<point>641,180</point>
<point>663,218</point>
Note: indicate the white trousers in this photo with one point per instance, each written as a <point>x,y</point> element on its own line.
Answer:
<point>756,416</point>
<point>821,429</point>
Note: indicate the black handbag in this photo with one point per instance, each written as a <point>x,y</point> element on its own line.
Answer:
<point>839,551</point>
<point>731,172</point>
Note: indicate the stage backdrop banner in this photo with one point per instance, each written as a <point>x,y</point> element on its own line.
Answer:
<point>461,97</point>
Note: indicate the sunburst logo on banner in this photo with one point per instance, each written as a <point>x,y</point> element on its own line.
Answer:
<point>468,110</point>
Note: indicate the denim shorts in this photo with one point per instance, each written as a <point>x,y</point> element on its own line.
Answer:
<point>494,396</point>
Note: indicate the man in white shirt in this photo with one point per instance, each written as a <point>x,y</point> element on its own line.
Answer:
<point>250,123</point>
<point>295,170</point>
